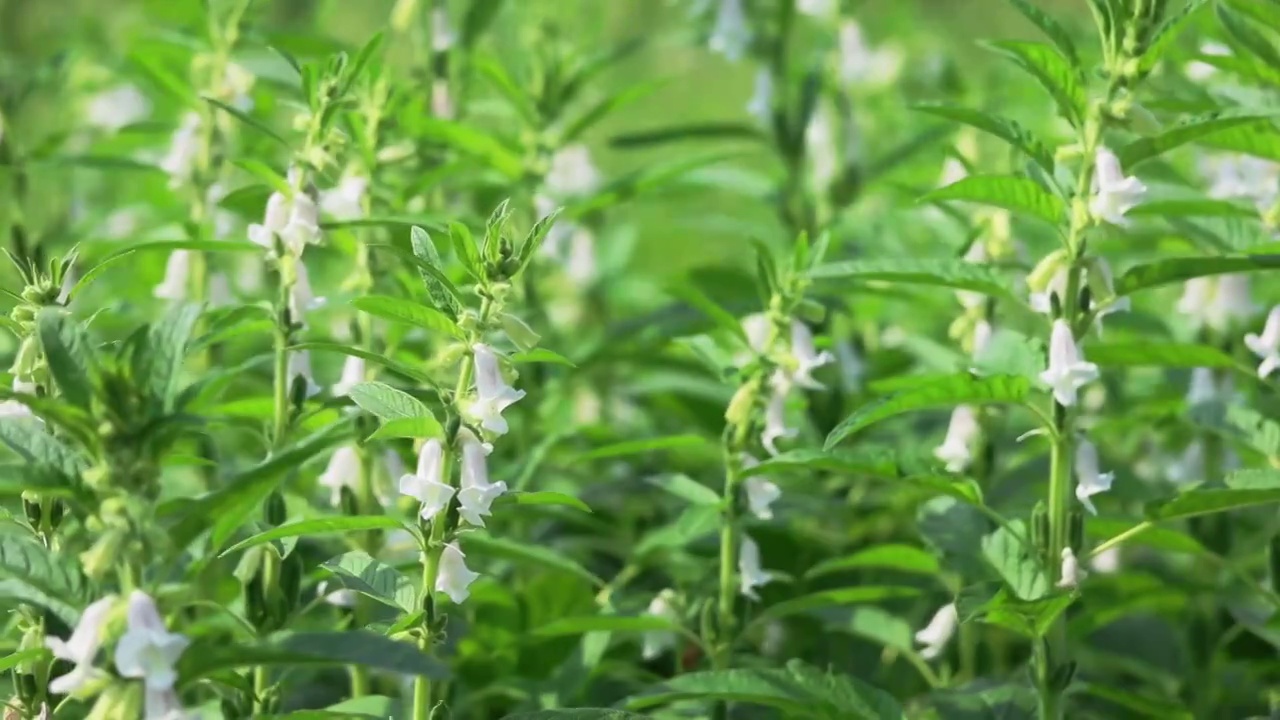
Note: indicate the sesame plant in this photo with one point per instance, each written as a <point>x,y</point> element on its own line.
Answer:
<point>586,360</point>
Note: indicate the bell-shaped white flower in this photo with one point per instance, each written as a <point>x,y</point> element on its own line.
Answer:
<point>824,156</point>
<point>806,356</point>
<point>1041,301</point>
<point>730,35</point>
<point>16,408</point>
<point>274,219</point>
<point>572,173</point>
<point>493,394</point>
<point>761,494</point>
<point>656,642</point>
<point>852,366</point>
<point>935,636</point>
<point>756,327</point>
<point>1113,193</point>
<point>1107,561</point>
<point>1067,371</point>
<point>1072,573</point>
<point>442,36</point>
<point>343,471</point>
<point>113,109</point>
<point>750,574</point>
<point>300,367</point>
<point>1217,303</point>
<point>983,331</point>
<point>441,99</point>
<point>1203,387</point>
<point>183,148</point>
<point>1202,71</point>
<point>147,649</point>
<point>342,597</point>
<point>775,415</point>
<point>163,704</point>
<point>963,432</point>
<point>80,648</point>
<point>303,225</point>
<point>1089,481</point>
<point>860,64</point>
<point>301,299</point>
<point>1267,345</point>
<point>454,577</point>
<point>427,485</point>
<point>344,202</point>
<point>353,371</point>
<point>760,106</point>
<point>477,493</point>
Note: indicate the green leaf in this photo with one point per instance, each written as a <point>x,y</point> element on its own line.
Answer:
<point>1261,139</point>
<point>1194,208</point>
<point>1051,27</point>
<point>799,691</point>
<point>684,133</point>
<point>469,140</point>
<point>949,392</point>
<point>891,557</point>
<point>1011,353</point>
<point>1006,550</point>
<point>705,305</point>
<point>577,714</point>
<point>355,647</point>
<point>1247,37</point>
<point>30,655</point>
<point>358,571</point>
<point>541,355</point>
<point>1053,72</point>
<point>32,573</point>
<point>386,402</point>
<point>1240,423</point>
<point>69,354</point>
<point>409,313</point>
<point>265,173</point>
<point>1168,31</point>
<point>464,245</point>
<point>597,111</point>
<point>1250,488</point>
<point>524,554</point>
<point>605,623</point>
<point>878,462</point>
<point>153,69</point>
<point>942,272</point>
<point>247,119</point>
<point>30,439</point>
<point>1185,132</point>
<point>543,497</point>
<point>318,526</point>
<point>1139,354</point>
<point>395,222</point>
<point>1007,130</point>
<point>647,445</point>
<point>160,362</point>
<point>394,366</point>
<point>424,426</point>
<point>445,296</point>
<point>533,241</point>
<point>686,488</point>
<point>834,598</point>
<point>480,14</point>
<point>1011,192</point>
<point>694,523</point>
<point>1174,270</point>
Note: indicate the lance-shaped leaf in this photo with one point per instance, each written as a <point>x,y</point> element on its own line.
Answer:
<point>1007,130</point>
<point>1011,192</point>
<point>1142,354</point>
<point>386,402</point>
<point>69,354</point>
<point>606,623</point>
<point>358,571</point>
<point>408,312</point>
<point>1053,72</point>
<point>1185,132</point>
<point>941,272</point>
<point>1051,27</point>
<point>892,556</point>
<point>1245,489</point>
<point>469,140</point>
<point>1259,139</point>
<point>1173,270</point>
<point>318,526</point>
<point>29,572</point>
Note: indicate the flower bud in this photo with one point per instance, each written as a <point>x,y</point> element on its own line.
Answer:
<point>1040,277</point>
<point>100,559</point>
<point>739,410</point>
<point>520,334</point>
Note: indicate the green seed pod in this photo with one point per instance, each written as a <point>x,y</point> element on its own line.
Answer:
<point>291,580</point>
<point>1062,676</point>
<point>31,507</point>
<point>57,510</point>
<point>274,511</point>
<point>255,604</point>
<point>1040,528</point>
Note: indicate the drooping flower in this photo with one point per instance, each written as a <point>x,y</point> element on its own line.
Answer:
<point>300,367</point>
<point>163,705</point>
<point>775,416</point>
<point>1089,481</point>
<point>344,202</point>
<point>820,139</point>
<point>731,34</point>
<point>493,394</point>
<point>761,494</point>
<point>1072,573</point>
<point>963,431</point>
<point>1203,387</point>
<point>935,636</point>
<point>981,339</point>
<point>806,356</point>
<point>183,148</point>
<point>1218,302</point>
<point>147,650</point>
<point>477,493</point>
<point>80,648</point>
<point>353,370</point>
<point>852,366</point>
<point>1113,193</point>
<point>1067,371</point>
<point>572,173</point>
<point>274,219</point>
<point>454,577</point>
<point>14,408</point>
<point>1201,71</point>
<point>1107,561</point>
<point>301,299</point>
<point>295,219</point>
<point>760,106</point>
<point>342,597</point>
<point>656,642</point>
<point>427,485</point>
<point>1267,345</point>
<point>860,64</point>
<point>756,327</point>
<point>113,109</point>
<point>750,574</point>
<point>1042,301</point>
<point>953,171</point>
<point>343,471</point>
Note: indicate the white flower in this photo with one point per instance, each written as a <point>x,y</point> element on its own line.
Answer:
<point>1071,574</point>
<point>1201,71</point>
<point>16,408</point>
<point>761,493</point>
<point>1113,193</point>
<point>274,219</point>
<point>80,648</point>
<point>982,334</point>
<point>113,109</point>
<point>572,173</point>
<point>859,64</point>
<point>806,356</point>
<point>300,366</point>
<point>962,432</point>
<point>1242,176</point>
<point>775,416</point>
<point>816,8</point>
<point>442,35</point>
<point>760,106</point>
<point>427,485</point>
<point>441,99</point>
<point>184,146</point>
<point>342,597</point>
<point>1267,345</point>
<point>1216,302</point>
<point>163,704</point>
<point>1041,302</point>
<point>852,367</point>
<point>820,138</point>
<point>176,276</point>
<point>301,299</point>
<point>1067,372</point>
<point>1089,481</point>
<point>935,636</point>
<point>1203,387</point>
<point>493,394</point>
<point>953,171</point>
<point>353,370</point>
<point>580,266</point>
<point>730,35</point>
<point>656,642</point>
<point>147,649</point>
<point>756,327</point>
<point>1107,561</point>
<point>237,84</point>
<point>477,493</point>
<point>342,471</point>
<point>344,201</point>
<point>454,577</point>
<point>303,226</point>
<point>750,574</point>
